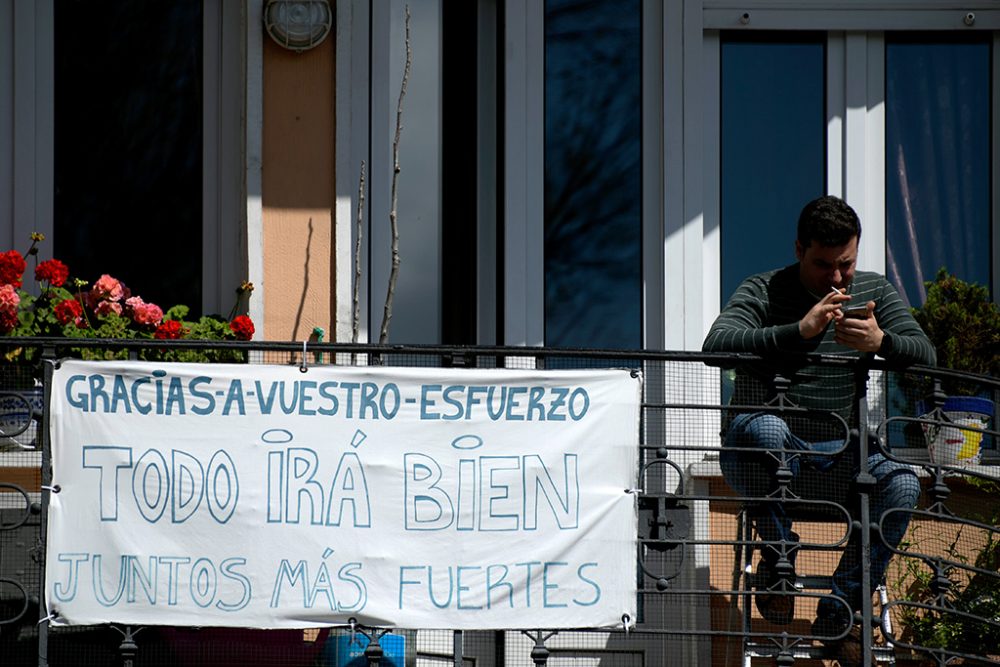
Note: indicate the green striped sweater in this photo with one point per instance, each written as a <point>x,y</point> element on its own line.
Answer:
<point>762,318</point>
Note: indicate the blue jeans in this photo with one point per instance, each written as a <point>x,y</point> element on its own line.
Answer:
<point>896,487</point>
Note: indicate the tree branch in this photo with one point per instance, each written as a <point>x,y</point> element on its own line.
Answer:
<point>356,316</point>
<point>394,272</point>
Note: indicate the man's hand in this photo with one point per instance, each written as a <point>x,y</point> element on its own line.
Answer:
<point>820,315</point>
<point>863,334</point>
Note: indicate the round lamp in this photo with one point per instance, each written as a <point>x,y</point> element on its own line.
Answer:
<point>298,24</point>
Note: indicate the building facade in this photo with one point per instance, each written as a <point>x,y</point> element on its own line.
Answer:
<point>571,174</point>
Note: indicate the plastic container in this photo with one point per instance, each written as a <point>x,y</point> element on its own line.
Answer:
<point>957,438</point>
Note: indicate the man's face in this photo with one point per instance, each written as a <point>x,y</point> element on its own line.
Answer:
<point>823,267</point>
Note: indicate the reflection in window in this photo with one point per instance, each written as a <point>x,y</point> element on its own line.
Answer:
<point>128,145</point>
<point>772,148</point>
<point>592,173</point>
<point>937,161</point>
<point>416,316</point>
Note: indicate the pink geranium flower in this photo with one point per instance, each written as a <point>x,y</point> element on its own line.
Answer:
<point>107,288</point>
<point>9,298</point>
<point>104,308</point>
<point>146,314</point>
<point>9,301</point>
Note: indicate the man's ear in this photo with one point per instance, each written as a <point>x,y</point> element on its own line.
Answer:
<point>799,250</point>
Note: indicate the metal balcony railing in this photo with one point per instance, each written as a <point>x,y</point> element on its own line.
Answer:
<point>703,524</point>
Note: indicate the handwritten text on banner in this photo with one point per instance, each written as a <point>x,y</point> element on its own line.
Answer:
<point>261,496</point>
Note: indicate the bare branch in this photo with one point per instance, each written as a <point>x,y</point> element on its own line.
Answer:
<point>394,272</point>
<point>357,258</point>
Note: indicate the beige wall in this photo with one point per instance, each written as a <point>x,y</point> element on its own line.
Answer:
<point>298,191</point>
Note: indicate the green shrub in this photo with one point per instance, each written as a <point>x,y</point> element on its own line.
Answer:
<point>962,323</point>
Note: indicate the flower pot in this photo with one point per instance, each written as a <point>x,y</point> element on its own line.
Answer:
<point>957,438</point>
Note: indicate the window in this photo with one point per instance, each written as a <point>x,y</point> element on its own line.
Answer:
<point>906,137</point>
<point>937,156</point>
<point>709,133</point>
<point>593,179</point>
<point>772,147</point>
<point>78,75</point>
<point>483,242</point>
<point>128,145</point>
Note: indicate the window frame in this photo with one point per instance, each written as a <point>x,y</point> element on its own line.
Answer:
<point>855,106</point>
<point>680,208</point>
<point>27,76</point>
<point>524,196</point>
<point>510,183</point>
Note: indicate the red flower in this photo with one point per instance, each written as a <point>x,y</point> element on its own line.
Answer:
<point>242,326</point>
<point>68,310</point>
<point>12,267</point>
<point>169,330</point>
<point>8,321</point>
<point>53,271</point>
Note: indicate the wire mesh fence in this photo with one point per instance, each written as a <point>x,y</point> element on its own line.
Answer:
<point>876,504</point>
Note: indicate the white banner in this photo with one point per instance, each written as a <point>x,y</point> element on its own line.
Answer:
<point>262,496</point>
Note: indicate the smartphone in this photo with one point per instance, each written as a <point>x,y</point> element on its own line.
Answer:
<point>857,312</point>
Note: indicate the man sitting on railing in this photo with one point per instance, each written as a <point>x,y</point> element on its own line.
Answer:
<point>803,308</point>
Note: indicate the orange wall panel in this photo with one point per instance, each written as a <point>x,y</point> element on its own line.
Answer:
<point>298,191</point>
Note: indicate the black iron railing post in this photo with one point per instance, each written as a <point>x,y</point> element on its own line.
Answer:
<point>539,652</point>
<point>865,484</point>
<point>373,652</point>
<point>48,368</point>
<point>128,649</point>
<point>458,648</point>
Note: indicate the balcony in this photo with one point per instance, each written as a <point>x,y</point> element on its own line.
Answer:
<point>699,542</point>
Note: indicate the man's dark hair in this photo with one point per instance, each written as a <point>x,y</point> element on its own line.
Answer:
<point>829,221</point>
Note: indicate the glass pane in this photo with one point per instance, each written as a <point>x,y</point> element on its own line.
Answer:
<point>593,191</point>
<point>938,169</point>
<point>128,145</point>
<point>773,140</point>
<point>416,310</point>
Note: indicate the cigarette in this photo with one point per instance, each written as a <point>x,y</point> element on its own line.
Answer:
<point>835,290</point>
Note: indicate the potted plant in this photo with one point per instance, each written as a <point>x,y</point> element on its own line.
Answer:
<point>66,307</point>
<point>964,326</point>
